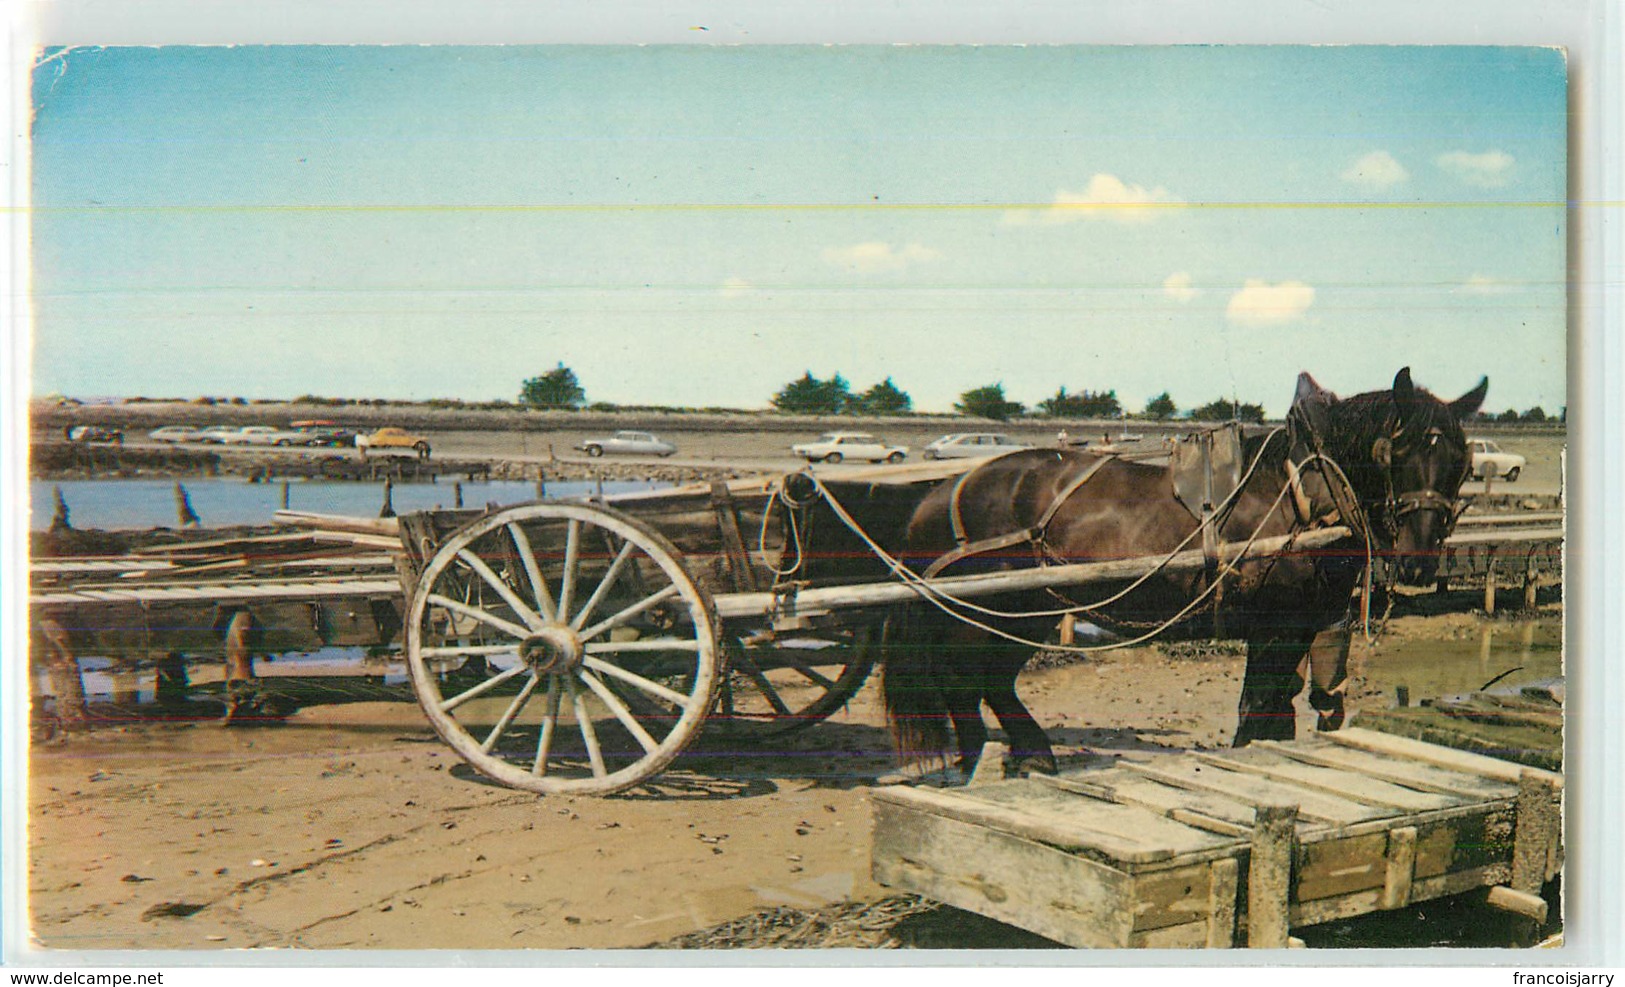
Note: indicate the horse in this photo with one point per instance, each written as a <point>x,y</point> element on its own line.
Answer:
<point>1386,465</point>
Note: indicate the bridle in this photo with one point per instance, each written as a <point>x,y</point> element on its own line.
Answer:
<point>1395,506</point>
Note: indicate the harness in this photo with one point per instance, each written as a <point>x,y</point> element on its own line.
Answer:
<point>1033,535</point>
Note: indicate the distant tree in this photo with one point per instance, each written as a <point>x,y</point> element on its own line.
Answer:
<point>1224,410</point>
<point>1537,414</point>
<point>989,402</point>
<point>1161,407</point>
<point>1509,415</point>
<point>1089,404</point>
<point>558,388</point>
<point>885,398</point>
<point>807,395</point>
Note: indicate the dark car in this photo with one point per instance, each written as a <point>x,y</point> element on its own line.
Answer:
<point>93,433</point>
<point>324,433</point>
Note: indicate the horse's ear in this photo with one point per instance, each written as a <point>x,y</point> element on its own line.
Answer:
<point>1311,401</point>
<point>1404,390</point>
<point>1467,405</point>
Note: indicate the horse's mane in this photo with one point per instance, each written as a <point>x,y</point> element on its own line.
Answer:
<point>1353,425</point>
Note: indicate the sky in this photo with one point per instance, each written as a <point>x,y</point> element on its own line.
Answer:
<point>699,225</point>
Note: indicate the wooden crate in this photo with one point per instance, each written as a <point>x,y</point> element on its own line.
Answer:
<point>1227,848</point>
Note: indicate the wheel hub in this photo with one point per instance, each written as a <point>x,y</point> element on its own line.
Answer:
<point>552,650</point>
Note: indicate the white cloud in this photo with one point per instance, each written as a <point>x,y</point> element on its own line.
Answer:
<point>876,257</point>
<point>1178,287</point>
<point>1106,197</point>
<point>1492,169</point>
<point>734,287</point>
<point>1377,170</point>
<point>1260,303</point>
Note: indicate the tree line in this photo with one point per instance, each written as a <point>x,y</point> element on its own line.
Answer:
<point>559,388</point>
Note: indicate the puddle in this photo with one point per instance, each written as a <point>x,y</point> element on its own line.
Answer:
<point>1431,667</point>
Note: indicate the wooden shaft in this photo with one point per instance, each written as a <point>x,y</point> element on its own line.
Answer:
<point>1269,876</point>
<point>988,584</point>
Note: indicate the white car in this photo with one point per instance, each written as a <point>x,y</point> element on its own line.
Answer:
<point>253,435</point>
<point>216,433</point>
<point>174,433</point>
<point>1489,460</point>
<point>832,447</point>
<point>969,445</point>
<point>631,443</point>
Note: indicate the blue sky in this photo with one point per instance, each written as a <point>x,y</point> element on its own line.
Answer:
<point>699,225</point>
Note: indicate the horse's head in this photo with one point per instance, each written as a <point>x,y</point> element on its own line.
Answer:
<point>1406,454</point>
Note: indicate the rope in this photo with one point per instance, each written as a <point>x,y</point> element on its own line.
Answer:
<point>937,597</point>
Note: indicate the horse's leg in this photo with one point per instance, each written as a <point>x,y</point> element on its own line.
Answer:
<point>1029,746</point>
<point>1267,691</point>
<point>1328,674</point>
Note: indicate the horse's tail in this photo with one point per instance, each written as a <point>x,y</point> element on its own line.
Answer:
<point>916,711</point>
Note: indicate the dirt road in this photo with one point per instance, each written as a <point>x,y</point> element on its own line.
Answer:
<point>353,827</point>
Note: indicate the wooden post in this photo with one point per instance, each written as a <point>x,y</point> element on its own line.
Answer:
<point>62,669</point>
<point>1529,583</point>
<point>541,483</point>
<point>1442,585</point>
<point>1489,587</point>
<point>1402,696</point>
<point>598,485</point>
<point>457,494</point>
<point>286,493</point>
<point>388,510</point>
<point>1069,630</point>
<point>185,517</point>
<point>1401,870</point>
<point>1269,876</point>
<point>1534,854</point>
<point>59,519</point>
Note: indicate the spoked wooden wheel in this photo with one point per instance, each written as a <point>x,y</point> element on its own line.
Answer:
<point>776,689</point>
<point>562,648</point>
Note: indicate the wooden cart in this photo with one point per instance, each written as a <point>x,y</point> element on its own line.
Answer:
<point>579,646</point>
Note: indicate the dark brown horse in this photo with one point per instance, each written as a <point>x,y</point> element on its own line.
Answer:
<point>1386,464</point>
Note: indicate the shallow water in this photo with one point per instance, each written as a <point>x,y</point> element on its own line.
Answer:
<point>140,504</point>
<point>1522,651</point>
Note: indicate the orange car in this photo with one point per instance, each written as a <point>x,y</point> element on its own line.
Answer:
<point>392,438</point>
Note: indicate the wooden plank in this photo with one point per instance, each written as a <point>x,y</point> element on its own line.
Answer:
<point>1365,902</point>
<point>1404,747</point>
<point>1338,866</point>
<point>1063,833</point>
<point>1176,896</point>
<point>1412,774</point>
<point>1269,876</point>
<point>1129,823</point>
<point>222,592</point>
<point>1223,887</point>
<point>1258,790</point>
<point>1070,899</point>
<point>1211,812</point>
<point>1344,784</point>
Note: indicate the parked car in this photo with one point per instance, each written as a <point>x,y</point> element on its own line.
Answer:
<point>254,435</point>
<point>174,433</point>
<point>388,439</point>
<point>321,432</point>
<point>630,443</point>
<point>832,447</point>
<point>93,433</point>
<point>1489,460</point>
<point>967,445</point>
<point>217,434</point>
